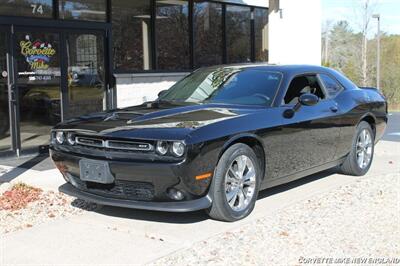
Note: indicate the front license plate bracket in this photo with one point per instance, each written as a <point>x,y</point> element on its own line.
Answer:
<point>95,171</point>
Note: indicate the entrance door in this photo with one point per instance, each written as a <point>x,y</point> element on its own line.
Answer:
<point>48,76</point>
<point>5,138</point>
<point>86,73</point>
<point>38,64</point>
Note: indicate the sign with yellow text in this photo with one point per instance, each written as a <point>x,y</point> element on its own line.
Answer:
<point>38,54</point>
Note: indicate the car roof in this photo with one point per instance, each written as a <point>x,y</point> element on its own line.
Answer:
<point>289,69</point>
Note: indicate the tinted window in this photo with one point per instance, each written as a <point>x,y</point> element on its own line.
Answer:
<point>207,33</point>
<point>131,34</point>
<point>27,8</point>
<point>238,34</point>
<point>331,85</point>
<point>172,34</point>
<point>226,85</point>
<point>261,34</point>
<point>94,10</point>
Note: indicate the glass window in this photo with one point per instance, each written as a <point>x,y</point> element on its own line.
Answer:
<point>85,53</point>
<point>207,33</point>
<point>27,8</point>
<point>94,10</point>
<point>131,34</point>
<point>332,86</point>
<point>172,34</point>
<point>238,34</point>
<point>261,34</point>
<point>226,85</point>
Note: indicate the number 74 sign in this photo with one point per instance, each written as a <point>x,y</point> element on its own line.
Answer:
<point>37,9</point>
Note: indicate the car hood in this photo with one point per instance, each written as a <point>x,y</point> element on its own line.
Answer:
<point>155,120</point>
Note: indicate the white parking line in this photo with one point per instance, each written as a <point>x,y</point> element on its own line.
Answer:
<point>394,134</point>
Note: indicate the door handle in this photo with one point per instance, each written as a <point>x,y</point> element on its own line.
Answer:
<point>334,108</point>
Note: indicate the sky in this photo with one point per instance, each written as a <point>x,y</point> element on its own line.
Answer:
<point>389,10</point>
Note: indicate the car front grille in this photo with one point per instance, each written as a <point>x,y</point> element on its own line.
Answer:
<point>110,144</point>
<point>130,190</point>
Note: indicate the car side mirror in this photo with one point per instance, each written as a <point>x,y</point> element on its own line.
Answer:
<point>161,93</point>
<point>308,99</point>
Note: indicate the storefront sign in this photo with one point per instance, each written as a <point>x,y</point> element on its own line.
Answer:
<point>38,54</point>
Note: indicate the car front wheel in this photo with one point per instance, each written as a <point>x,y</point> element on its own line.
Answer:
<point>236,184</point>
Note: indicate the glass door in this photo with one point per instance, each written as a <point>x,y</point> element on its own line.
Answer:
<point>5,138</point>
<point>86,73</point>
<point>39,85</point>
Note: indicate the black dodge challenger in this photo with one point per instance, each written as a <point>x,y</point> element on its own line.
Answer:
<point>218,137</point>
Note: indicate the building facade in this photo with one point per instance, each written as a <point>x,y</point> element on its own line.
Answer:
<point>65,58</point>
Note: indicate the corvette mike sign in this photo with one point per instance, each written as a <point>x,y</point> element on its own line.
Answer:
<point>38,54</point>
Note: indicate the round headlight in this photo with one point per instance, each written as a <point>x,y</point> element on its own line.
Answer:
<point>60,137</point>
<point>162,147</point>
<point>178,148</point>
<point>71,139</point>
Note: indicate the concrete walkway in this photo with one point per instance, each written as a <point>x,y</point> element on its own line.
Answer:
<point>123,236</point>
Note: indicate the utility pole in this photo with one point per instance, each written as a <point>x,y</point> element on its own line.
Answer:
<point>378,51</point>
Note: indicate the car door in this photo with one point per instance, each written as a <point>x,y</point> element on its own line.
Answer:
<point>308,138</point>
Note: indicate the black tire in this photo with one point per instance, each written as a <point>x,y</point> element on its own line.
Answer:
<point>350,165</point>
<point>220,209</point>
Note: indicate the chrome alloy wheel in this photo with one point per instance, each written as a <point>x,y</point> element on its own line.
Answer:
<point>364,149</point>
<point>240,183</point>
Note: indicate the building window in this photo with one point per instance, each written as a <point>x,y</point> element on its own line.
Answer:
<point>207,33</point>
<point>261,34</point>
<point>131,35</point>
<point>27,8</point>
<point>93,10</point>
<point>238,37</point>
<point>172,34</point>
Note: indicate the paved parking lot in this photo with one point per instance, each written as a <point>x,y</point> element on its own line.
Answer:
<point>122,236</point>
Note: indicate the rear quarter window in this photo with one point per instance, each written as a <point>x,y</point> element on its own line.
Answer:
<point>331,85</point>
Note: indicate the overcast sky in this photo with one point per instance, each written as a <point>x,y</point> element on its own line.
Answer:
<point>389,10</point>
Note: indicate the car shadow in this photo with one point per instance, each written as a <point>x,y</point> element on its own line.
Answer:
<point>197,216</point>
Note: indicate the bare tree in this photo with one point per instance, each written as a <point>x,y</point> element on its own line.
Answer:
<point>326,28</point>
<point>363,16</point>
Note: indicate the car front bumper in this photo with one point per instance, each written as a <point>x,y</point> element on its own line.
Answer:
<point>137,184</point>
<point>178,206</point>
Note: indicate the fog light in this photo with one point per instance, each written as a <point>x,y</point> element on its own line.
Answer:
<point>175,194</point>
<point>60,137</point>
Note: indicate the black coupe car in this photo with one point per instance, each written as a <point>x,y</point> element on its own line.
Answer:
<point>218,137</point>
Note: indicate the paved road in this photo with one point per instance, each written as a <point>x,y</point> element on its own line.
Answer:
<point>393,129</point>
<point>123,236</point>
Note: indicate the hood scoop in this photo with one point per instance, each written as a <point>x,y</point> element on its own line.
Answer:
<point>122,115</point>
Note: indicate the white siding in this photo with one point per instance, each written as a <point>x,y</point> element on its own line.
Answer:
<point>295,32</point>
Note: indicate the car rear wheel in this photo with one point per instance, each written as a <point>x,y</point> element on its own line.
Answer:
<point>359,160</point>
<point>235,184</point>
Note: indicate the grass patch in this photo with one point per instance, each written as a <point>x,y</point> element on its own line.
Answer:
<point>19,196</point>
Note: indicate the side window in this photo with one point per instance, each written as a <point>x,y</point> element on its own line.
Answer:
<point>332,86</point>
<point>300,85</point>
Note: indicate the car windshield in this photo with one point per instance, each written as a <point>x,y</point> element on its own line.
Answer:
<point>248,86</point>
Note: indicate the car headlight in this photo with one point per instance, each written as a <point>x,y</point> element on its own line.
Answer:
<point>178,148</point>
<point>71,138</point>
<point>162,147</point>
<point>60,137</point>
